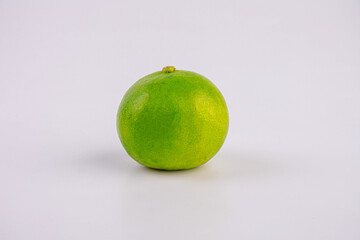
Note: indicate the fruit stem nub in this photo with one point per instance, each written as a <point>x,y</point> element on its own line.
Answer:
<point>168,69</point>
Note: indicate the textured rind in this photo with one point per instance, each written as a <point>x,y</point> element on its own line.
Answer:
<point>172,121</point>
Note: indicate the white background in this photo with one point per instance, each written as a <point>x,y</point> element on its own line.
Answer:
<point>289,71</point>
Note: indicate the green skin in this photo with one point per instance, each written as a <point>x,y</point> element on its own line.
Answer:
<point>172,120</point>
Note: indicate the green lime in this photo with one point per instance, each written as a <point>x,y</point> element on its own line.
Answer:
<point>172,120</point>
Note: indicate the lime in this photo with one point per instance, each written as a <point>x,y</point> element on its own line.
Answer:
<point>172,120</point>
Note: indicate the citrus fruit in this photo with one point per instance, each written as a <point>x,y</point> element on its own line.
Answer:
<point>172,120</point>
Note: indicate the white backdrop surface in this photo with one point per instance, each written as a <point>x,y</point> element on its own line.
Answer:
<point>289,71</point>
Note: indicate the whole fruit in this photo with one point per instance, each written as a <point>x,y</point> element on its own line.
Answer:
<point>172,120</point>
